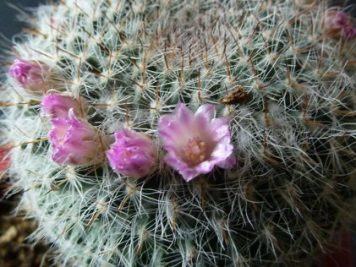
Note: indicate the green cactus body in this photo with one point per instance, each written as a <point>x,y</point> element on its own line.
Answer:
<point>290,93</point>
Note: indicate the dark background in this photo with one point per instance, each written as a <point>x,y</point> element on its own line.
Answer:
<point>10,25</point>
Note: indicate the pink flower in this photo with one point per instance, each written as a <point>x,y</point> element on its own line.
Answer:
<point>338,24</point>
<point>30,74</point>
<point>75,142</point>
<point>57,105</point>
<point>133,154</point>
<point>196,142</point>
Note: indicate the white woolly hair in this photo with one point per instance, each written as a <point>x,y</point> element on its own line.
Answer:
<point>288,88</point>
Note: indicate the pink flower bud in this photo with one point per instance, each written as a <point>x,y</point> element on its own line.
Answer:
<point>133,154</point>
<point>56,105</point>
<point>32,75</point>
<point>338,25</point>
<point>195,143</point>
<point>75,142</point>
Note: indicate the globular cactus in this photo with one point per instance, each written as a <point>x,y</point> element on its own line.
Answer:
<point>110,111</point>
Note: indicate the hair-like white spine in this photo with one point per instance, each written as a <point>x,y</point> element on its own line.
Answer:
<point>288,88</point>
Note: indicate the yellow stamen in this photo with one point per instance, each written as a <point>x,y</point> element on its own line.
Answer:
<point>195,151</point>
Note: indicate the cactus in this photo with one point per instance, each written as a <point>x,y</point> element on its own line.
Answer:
<point>287,87</point>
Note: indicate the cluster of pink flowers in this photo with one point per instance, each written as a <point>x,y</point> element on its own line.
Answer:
<point>195,142</point>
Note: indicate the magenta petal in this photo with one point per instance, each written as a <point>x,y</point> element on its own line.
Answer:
<point>206,111</point>
<point>174,161</point>
<point>203,116</point>
<point>205,166</point>
<point>223,149</point>
<point>184,114</point>
<point>187,173</point>
<point>172,128</point>
<point>228,163</point>
<point>220,128</point>
<point>56,105</point>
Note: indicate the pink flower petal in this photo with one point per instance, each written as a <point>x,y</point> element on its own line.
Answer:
<point>184,114</point>
<point>206,111</point>
<point>57,105</point>
<point>186,172</point>
<point>229,163</point>
<point>205,166</point>
<point>220,128</point>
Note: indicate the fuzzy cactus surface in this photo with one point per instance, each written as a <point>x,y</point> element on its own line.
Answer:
<point>278,138</point>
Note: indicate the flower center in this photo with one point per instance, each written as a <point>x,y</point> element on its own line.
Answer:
<point>127,155</point>
<point>195,151</point>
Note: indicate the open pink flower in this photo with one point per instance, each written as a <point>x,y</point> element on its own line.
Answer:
<point>32,75</point>
<point>133,154</point>
<point>338,25</point>
<point>196,142</point>
<point>56,105</point>
<point>75,142</point>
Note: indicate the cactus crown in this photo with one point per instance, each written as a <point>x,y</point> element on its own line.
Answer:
<point>267,65</point>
